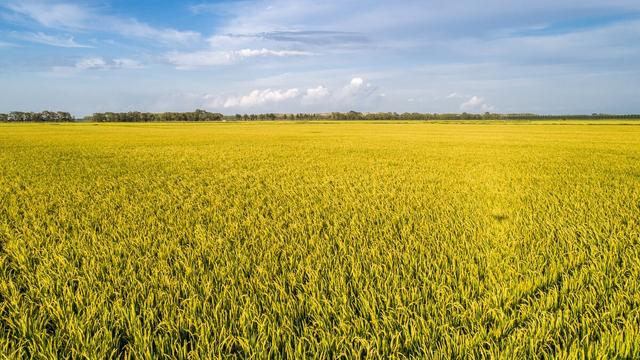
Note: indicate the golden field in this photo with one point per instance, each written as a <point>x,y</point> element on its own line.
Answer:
<point>322,240</point>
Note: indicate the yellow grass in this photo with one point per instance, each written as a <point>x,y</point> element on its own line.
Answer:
<point>320,240</point>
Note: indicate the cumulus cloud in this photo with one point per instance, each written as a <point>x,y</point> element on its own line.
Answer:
<point>187,60</point>
<point>354,93</point>
<point>476,103</point>
<point>497,49</point>
<point>357,89</point>
<point>258,97</point>
<point>471,103</point>
<point>356,82</point>
<point>316,94</point>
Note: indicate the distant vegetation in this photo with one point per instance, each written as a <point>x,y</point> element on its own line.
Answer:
<point>202,115</point>
<point>354,115</point>
<point>135,116</point>
<point>45,116</point>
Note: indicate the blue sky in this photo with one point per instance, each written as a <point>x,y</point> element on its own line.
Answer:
<point>249,56</point>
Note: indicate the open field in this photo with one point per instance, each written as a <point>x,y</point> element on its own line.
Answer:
<point>353,239</point>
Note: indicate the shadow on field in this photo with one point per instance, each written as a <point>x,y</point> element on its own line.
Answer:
<point>499,217</point>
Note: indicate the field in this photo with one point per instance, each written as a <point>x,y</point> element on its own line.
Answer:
<point>320,239</point>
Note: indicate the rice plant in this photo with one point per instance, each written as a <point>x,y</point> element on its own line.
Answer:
<point>320,240</point>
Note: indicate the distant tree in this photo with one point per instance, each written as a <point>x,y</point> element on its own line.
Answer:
<point>136,116</point>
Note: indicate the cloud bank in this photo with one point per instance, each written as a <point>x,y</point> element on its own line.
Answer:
<point>352,94</point>
<point>189,60</point>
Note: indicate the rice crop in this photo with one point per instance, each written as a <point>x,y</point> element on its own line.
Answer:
<point>320,240</point>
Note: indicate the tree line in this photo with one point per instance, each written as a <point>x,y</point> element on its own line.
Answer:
<point>202,115</point>
<point>354,115</point>
<point>44,116</point>
<point>136,116</point>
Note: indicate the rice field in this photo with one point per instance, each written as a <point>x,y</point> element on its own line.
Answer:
<point>320,240</point>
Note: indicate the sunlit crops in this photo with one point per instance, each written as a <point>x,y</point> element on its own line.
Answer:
<point>324,240</point>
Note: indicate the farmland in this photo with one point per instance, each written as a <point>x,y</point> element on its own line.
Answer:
<point>314,239</point>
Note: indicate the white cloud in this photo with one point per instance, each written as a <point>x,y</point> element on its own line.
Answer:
<point>356,82</point>
<point>379,16</point>
<point>258,97</point>
<point>204,7</point>
<point>494,29</point>
<point>316,94</point>
<point>124,63</point>
<point>355,93</point>
<point>52,15</point>
<point>91,63</point>
<point>266,52</point>
<point>476,103</point>
<point>75,17</point>
<point>187,60</point>
<point>132,27</point>
<point>225,41</point>
<point>494,49</point>
<point>95,63</point>
<point>98,63</point>
<point>199,58</point>
<point>357,90</point>
<point>52,40</point>
<point>611,42</point>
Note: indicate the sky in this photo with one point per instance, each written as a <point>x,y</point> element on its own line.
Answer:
<point>255,56</point>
